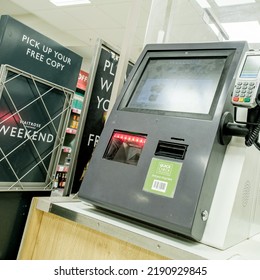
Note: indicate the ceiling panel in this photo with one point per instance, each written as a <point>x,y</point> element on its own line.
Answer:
<point>111,10</point>
<point>57,18</point>
<point>30,5</point>
<point>79,27</point>
<point>9,7</point>
<point>92,17</point>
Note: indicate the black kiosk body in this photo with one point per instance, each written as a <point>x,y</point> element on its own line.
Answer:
<point>159,156</point>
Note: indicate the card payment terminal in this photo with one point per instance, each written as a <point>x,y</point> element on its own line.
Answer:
<point>247,83</point>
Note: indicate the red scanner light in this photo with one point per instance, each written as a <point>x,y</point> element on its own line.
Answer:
<point>130,138</point>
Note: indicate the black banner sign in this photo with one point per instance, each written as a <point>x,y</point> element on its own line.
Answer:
<point>98,106</point>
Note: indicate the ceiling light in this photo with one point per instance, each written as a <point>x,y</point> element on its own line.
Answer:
<point>69,2</point>
<point>215,24</point>
<point>203,3</point>
<point>233,2</point>
<point>239,31</point>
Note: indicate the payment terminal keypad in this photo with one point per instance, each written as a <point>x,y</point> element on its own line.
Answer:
<point>244,93</point>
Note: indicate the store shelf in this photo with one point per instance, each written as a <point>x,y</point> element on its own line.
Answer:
<point>71,130</point>
<point>76,111</point>
<point>62,168</point>
<point>66,149</point>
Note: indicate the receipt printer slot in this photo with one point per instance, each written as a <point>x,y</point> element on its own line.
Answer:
<point>171,149</point>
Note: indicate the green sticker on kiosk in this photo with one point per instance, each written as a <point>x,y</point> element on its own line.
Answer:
<point>162,177</point>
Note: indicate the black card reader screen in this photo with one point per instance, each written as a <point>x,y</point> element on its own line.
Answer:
<point>178,85</point>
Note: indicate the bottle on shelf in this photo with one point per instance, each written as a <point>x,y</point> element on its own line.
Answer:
<point>67,160</point>
<point>56,181</point>
<point>60,179</point>
<point>63,180</point>
<point>74,123</point>
<point>77,122</point>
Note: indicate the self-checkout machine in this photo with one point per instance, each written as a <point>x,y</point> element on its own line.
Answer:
<point>166,149</point>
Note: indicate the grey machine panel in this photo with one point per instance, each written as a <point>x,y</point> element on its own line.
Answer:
<point>159,156</point>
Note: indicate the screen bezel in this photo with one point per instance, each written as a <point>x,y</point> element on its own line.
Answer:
<point>128,94</point>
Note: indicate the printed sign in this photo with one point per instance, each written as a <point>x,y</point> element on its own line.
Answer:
<point>82,80</point>
<point>28,127</point>
<point>32,110</point>
<point>98,106</point>
<point>30,51</point>
<point>162,177</point>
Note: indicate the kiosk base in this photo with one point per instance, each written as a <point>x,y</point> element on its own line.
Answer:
<point>234,214</point>
<point>65,228</point>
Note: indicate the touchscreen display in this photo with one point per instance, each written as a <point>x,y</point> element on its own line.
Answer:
<point>178,85</point>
